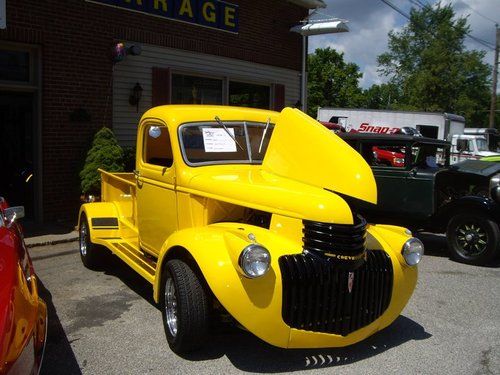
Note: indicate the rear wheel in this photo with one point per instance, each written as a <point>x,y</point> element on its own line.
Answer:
<point>89,252</point>
<point>185,307</point>
<point>473,238</point>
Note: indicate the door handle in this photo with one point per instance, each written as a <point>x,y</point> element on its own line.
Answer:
<point>137,176</point>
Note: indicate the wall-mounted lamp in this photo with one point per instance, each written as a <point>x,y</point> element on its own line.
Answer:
<point>136,95</point>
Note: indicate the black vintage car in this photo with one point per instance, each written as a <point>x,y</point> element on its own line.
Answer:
<point>422,191</point>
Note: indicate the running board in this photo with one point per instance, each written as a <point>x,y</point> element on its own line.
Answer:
<point>132,255</point>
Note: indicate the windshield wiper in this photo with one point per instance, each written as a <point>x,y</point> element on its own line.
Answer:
<point>228,132</point>
<point>264,134</point>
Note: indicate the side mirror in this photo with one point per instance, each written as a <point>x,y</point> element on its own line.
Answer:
<point>14,213</point>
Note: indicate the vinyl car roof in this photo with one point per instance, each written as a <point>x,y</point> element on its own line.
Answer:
<point>392,138</point>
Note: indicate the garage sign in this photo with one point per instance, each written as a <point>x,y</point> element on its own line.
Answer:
<point>210,13</point>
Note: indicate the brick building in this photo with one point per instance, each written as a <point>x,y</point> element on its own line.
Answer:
<point>59,84</point>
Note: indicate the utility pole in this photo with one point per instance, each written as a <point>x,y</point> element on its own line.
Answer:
<point>494,83</point>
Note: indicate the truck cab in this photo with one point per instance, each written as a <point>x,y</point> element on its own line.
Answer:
<point>468,146</point>
<point>230,212</point>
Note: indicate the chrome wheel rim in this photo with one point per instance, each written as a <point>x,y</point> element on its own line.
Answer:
<point>472,239</point>
<point>83,239</point>
<point>171,306</point>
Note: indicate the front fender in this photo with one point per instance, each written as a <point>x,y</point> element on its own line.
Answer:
<point>466,205</point>
<point>254,303</point>
<point>103,220</point>
<point>257,303</point>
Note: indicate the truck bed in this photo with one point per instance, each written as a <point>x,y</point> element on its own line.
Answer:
<point>120,190</point>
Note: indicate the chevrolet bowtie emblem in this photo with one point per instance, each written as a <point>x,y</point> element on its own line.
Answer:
<point>350,281</point>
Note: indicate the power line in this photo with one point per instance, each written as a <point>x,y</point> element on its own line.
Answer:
<point>420,4</point>
<point>481,41</point>
<point>478,13</point>
<point>388,3</point>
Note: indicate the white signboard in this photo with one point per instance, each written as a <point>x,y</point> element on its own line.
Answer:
<point>217,140</point>
<point>3,15</point>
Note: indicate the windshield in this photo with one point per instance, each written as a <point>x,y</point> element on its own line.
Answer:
<point>224,142</point>
<point>429,156</point>
<point>482,144</point>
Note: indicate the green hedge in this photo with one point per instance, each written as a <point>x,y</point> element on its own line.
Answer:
<point>106,154</point>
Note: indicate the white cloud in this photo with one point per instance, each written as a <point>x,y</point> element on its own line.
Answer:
<point>371,21</point>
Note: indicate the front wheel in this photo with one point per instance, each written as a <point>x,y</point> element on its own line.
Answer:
<point>184,306</point>
<point>89,252</point>
<point>473,238</point>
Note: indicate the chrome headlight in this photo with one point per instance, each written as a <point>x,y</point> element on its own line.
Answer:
<point>413,251</point>
<point>255,260</point>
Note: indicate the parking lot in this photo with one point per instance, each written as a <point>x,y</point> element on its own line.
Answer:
<point>105,322</point>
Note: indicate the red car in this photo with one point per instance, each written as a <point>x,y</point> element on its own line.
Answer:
<point>389,156</point>
<point>23,314</point>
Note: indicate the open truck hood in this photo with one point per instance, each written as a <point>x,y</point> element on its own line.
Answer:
<point>305,172</point>
<point>303,150</point>
<point>261,190</point>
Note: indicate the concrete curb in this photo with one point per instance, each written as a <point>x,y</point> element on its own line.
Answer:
<point>51,239</point>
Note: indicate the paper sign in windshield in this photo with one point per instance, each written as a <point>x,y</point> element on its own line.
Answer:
<point>217,140</point>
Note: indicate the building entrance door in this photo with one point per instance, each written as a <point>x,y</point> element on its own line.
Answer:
<point>17,149</point>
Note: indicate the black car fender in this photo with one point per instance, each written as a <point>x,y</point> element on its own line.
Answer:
<point>465,205</point>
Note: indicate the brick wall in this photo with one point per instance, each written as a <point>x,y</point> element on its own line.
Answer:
<point>75,39</point>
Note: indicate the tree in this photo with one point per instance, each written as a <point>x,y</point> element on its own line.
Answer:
<point>105,153</point>
<point>331,81</point>
<point>384,96</point>
<point>427,59</point>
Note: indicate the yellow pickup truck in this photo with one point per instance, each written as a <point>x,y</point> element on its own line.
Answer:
<point>248,212</point>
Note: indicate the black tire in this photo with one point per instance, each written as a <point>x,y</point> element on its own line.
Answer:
<point>473,238</point>
<point>191,308</point>
<point>90,253</point>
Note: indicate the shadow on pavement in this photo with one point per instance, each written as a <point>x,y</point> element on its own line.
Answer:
<point>59,357</point>
<point>114,266</point>
<point>248,353</point>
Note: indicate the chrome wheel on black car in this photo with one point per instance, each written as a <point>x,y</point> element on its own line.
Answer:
<point>473,238</point>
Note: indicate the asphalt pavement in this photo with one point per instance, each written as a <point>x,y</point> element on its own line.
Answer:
<point>105,322</point>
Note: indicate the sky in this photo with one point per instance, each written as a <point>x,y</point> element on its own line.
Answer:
<point>371,20</point>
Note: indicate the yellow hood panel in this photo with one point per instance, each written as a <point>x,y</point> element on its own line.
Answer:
<point>304,150</point>
<point>261,190</point>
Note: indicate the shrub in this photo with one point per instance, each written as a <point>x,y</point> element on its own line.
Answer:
<point>129,158</point>
<point>105,153</point>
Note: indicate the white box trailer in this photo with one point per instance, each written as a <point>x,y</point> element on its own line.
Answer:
<point>429,124</point>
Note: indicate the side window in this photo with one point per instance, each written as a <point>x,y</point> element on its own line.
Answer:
<point>470,145</point>
<point>388,156</point>
<point>462,145</point>
<point>157,149</point>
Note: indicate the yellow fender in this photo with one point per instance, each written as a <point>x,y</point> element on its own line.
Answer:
<point>103,220</point>
<point>256,303</point>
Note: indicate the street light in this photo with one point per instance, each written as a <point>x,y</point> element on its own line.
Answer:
<point>315,27</point>
<point>309,4</point>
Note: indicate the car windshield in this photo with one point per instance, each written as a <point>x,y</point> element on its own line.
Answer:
<point>429,156</point>
<point>224,142</point>
<point>482,144</point>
